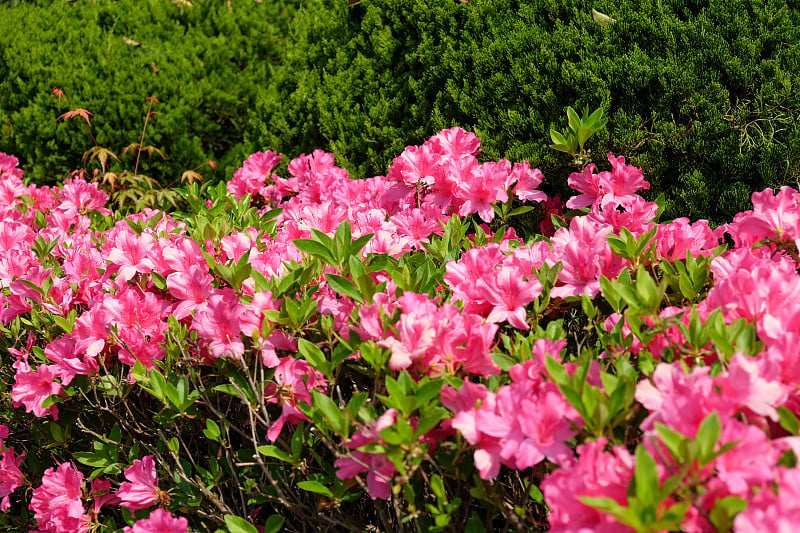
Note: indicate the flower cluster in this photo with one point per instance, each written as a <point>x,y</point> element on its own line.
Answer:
<point>640,374</point>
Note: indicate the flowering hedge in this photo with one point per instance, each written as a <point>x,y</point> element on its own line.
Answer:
<point>314,352</point>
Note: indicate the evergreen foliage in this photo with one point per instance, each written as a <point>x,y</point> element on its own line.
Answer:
<point>702,95</point>
<point>204,60</point>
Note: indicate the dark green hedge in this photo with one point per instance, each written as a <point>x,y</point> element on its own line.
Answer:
<point>703,95</point>
<point>205,62</point>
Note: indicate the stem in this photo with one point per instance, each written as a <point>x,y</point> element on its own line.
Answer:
<point>141,142</point>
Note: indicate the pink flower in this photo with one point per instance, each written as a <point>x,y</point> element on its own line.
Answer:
<point>417,164</point>
<point>79,197</point>
<point>623,181</point>
<point>527,180</point>
<point>192,287</point>
<point>673,240</point>
<point>141,489</point>
<point>588,184</point>
<point>250,178</point>
<point>101,495</point>
<point>379,469</point>
<point>159,521</point>
<point>10,476</point>
<point>596,473</point>
<point>483,187</point>
<point>619,185</point>
<point>773,215</point>
<point>32,387</point>
<point>509,294</point>
<point>455,142</point>
<point>218,321</point>
<point>293,381</point>
<point>57,504</point>
<point>771,512</point>
<point>585,256</point>
<point>132,253</point>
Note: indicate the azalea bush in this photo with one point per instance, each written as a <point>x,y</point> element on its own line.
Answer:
<point>297,350</point>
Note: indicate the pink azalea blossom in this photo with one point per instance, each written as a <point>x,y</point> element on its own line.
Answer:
<point>483,187</point>
<point>79,197</point>
<point>250,178</point>
<point>131,253</point>
<point>508,294</point>
<point>596,473</point>
<point>527,179</point>
<point>159,521</point>
<point>293,381</point>
<point>10,475</point>
<point>379,469</point>
<point>455,142</point>
<point>32,387</point>
<point>218,321</point>
<point>57,504</point>
<point>141,489</point>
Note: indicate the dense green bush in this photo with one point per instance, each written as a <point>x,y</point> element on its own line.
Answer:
<point>702,95</point>
<point>204,60</point>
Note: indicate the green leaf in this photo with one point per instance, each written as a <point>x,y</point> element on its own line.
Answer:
<point>174,445</point>
<point>237,524</point>
<point>344,286</point>
<point>270,450</point>
<point>336,417</point>
<point>63,323</point>
<point>158,384</point>
<point>315,249</point>
<point>788,420</point>
<point>315,357</point>
<point>707,436</point>
<point>558,138</point>
<point>212,431</point>
<point>556,371</point>
<point>724,511</point>
<point>573,119</point>
<point>437,486</point>
<point>92,459</point>
<point>315,487</point>
<point>357,245</point>
<point>274,524</point>
<point>645,477</point>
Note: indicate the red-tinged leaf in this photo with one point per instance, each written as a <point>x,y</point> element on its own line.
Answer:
<point>77,113</point>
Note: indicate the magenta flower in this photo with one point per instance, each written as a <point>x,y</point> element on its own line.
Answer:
<point>483,187</point>
<point>141,489</point>
<point>379,469</point>
<point>131,253</point>
<point>79,197</point>
<point>218,321</point>
<point>293,381</point>
<point>32,387</point>
<point>57,504</point>
<point>527,180</point>
<point>455,142</point>
<point>250,178</point>
<point>159,521</point>
<point>509,294</point>
<point>10,476</point>
<point>596,473</point>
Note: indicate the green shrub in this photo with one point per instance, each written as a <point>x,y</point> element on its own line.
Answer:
<point>702,95</point>
<point>204,60</point>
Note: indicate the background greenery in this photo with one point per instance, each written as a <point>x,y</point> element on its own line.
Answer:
<point>702,95</point>
<point>204,60</point>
